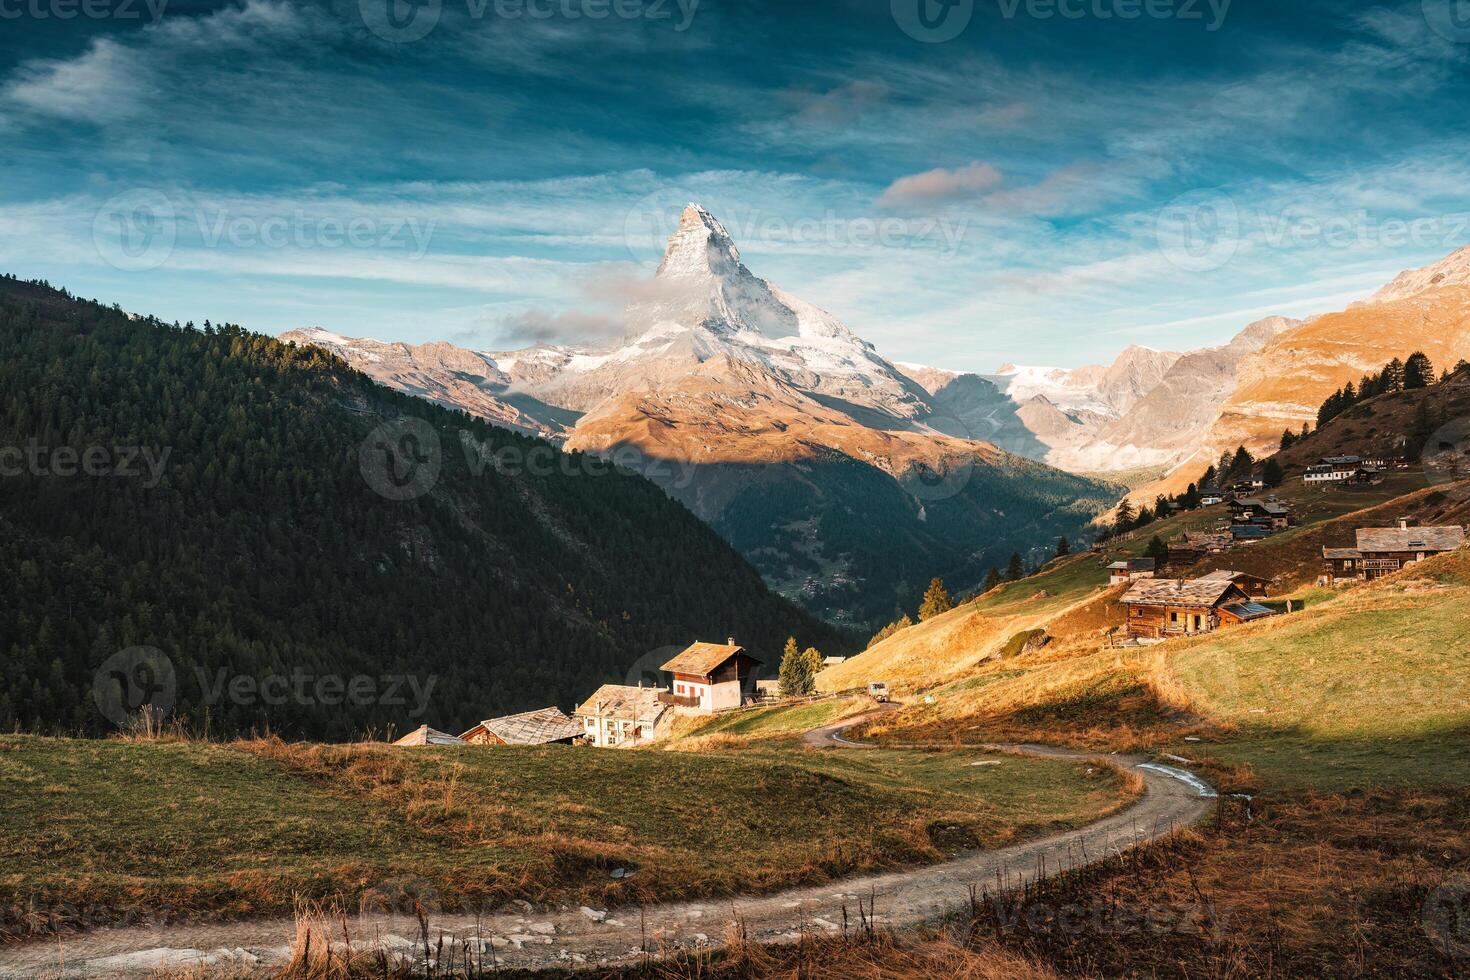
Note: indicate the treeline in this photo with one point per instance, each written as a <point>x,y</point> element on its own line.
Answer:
<point>1407,375</point>
<point>259,551</point>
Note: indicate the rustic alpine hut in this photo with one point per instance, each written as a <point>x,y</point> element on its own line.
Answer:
<point>541,727</point>
<point>1254,585</point>
<point>1166,607</point>
<point>424,735</point>
<point>710,677</point>
<point>1131,570</point>
<point>1382,550</point>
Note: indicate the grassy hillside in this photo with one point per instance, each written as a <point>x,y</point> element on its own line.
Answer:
<point>263,549</point>
<point>1347,725</point>
<point>1070,596</point>
<point>112,828</point>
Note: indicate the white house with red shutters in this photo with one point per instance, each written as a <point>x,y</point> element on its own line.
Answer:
<point>710,677</point>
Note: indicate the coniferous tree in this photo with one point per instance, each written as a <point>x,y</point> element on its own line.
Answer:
<point>1123,521</point>
<point>936,600</point>
<point>1272,473</point>
<point>813,665</point>
<point>992,580</point>
<point>1241,463</point>
<point>1393,377</point>
<point>1015,568</point>
<point>1157,550</point>
<point>796,675</point>
<point>1064,547</point>
<point>1418,371</point>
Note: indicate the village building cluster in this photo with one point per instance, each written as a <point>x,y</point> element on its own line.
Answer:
<point>1352,470</point>
<point>704,678</point>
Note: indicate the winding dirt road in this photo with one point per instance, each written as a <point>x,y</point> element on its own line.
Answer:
<point>573,937</point>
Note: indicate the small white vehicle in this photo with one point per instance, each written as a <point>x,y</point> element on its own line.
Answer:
<point>878,691</point>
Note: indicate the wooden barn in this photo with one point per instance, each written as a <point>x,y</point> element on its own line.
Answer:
<point>1167,607</point>
<point>1383,550</point>
<point>1254,585</point>
<point>541,727</point>
<point>710,677</point>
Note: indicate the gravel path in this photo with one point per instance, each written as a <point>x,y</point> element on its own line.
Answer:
<point>572,937</point>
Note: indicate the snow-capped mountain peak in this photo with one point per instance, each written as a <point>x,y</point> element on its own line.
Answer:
<point>700,247</point>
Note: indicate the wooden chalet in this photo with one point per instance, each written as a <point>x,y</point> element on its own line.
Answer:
<point>1382,550</point>
<point>1131,570</point>
<point>424,735</point>
<point>617,715</point>
<point>541,727</point>
<point>1196,545</point>
<point>1161,608</point>
<point>710,677</point>
<point>1254,585</point>
<point>1268,513</point>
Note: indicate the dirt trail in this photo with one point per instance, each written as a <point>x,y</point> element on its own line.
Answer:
<point>574,937</point>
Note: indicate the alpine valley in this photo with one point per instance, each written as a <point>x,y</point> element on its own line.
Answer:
<point>844,479</point>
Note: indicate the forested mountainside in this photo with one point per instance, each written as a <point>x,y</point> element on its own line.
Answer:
<point>210,493</point>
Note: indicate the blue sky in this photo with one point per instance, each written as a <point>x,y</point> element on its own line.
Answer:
<point>1056,180</point>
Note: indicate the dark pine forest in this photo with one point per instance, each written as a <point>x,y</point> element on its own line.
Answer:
<point>263,551</point>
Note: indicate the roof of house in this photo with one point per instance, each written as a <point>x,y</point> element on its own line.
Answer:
<point>1410,538</point>
<point>1247,611</point>
<point>1250,531</point>
<point>1135,564</point>
<point>624,703</point>
<point>1269,506</point>
<point>1341,460</point>
<point>1330,553</point>
<point>704,658</point>
<point>424,735</point>
<point>1230,575</point>
<point>531,727</point>
<point>1178,592</point>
